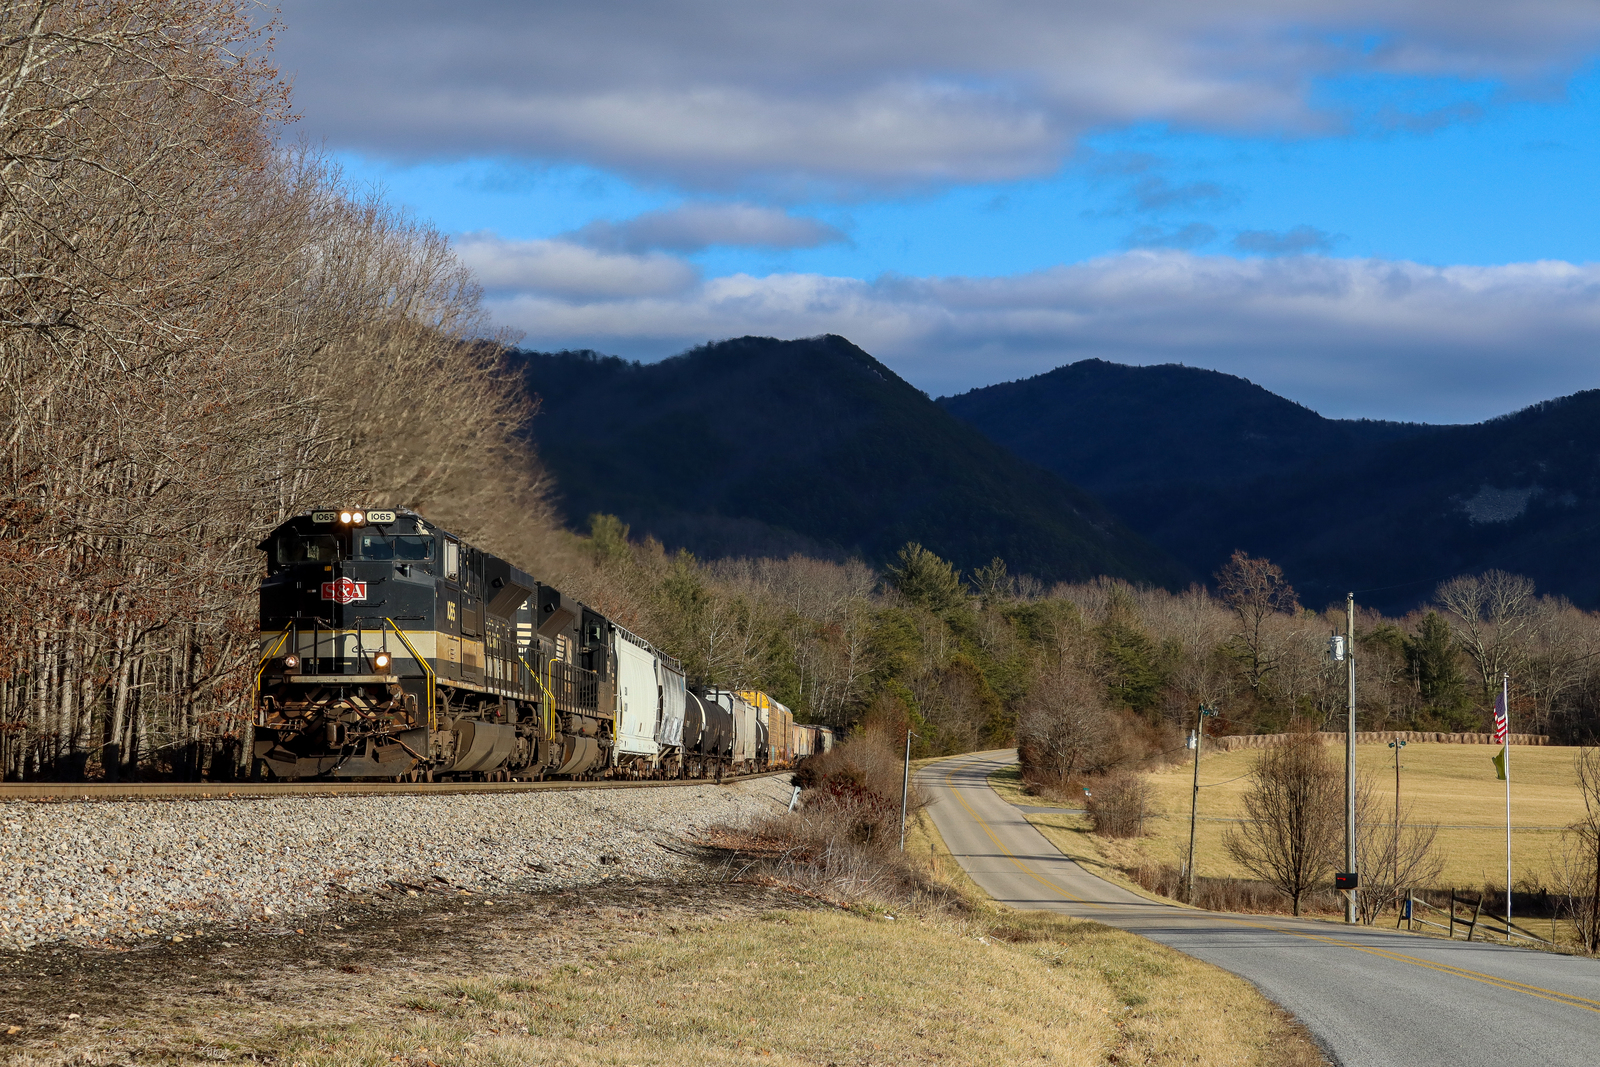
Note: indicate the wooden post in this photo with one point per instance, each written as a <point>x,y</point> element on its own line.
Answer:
<point>1475,913</point>
<point>1452,913</point>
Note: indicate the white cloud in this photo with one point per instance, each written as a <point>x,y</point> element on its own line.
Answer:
<point>561,268</point>
<point>845,93</point>
<point>692,227</point>
<point>1349,337</point>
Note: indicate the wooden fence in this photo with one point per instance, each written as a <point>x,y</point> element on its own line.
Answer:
<point>1482,925</point>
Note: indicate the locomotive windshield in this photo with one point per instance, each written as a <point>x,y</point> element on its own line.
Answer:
<point>404,547</point>
<point>307,548</point>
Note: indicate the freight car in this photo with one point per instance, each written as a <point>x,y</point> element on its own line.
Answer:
<point>392,648</point>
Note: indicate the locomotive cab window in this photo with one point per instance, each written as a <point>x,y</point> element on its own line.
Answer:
<point>307,548</point>
<point>452,560</point>
<point>377,546</point>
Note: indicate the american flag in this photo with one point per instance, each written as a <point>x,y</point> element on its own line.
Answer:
<point>1501,723</point>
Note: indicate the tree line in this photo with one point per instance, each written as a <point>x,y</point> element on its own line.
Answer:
<point>203,330</point>
<point>1094,675</point>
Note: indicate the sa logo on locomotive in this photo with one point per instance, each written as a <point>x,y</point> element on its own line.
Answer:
<point>344,591</point>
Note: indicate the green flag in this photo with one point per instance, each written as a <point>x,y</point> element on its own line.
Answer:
<point>1499,764</point>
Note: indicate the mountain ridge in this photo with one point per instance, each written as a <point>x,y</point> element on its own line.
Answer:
<point>1385,508</point>
<point>756,446</point>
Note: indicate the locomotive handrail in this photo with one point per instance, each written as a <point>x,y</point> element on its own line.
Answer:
<point>262,668</point>
<point>432,678</point>
<point>549,700</point>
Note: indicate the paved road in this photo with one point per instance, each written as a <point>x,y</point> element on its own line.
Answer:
<point>1374,997</point>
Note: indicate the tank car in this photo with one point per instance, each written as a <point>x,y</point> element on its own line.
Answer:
<point>391,647</point>
<point>707,737</point>
<point>749,735</point>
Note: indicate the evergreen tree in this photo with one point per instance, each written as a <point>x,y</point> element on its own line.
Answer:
<point>1435,663</point>
<point>992,583</point>
<point>927,580</point>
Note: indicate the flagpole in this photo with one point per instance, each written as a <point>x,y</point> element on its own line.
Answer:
<point>1505,698</point>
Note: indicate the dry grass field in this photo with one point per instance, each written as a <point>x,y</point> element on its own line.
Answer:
<point>683,974</point>
<point>1451,785</point>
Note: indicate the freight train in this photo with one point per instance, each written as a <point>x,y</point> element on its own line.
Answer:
<point>391,648</point>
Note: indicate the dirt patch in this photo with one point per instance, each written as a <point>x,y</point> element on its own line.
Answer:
<point>239,993</point>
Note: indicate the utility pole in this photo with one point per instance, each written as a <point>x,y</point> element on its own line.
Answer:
<point>905,789</point>
<point>1350,761</point>
<point>1397,745</point>
<point>1200,714</point>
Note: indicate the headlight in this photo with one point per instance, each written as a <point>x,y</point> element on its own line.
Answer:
<point>357,518</point>
<point>381,661</point>
<point>344,517</point>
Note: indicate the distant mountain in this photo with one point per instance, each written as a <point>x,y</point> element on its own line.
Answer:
<point>1203,463</point>
<point>1136,435</point>
<point>761,446</point>
<point>1520,492</point>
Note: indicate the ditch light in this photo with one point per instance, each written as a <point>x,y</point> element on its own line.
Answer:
<point>353,517</point>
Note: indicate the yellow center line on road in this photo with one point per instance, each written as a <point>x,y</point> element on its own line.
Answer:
<point>1507,984</point>
<point>950,783</point>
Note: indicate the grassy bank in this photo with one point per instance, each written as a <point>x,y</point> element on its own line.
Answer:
<point>828,987</point>
<point>692,974</point>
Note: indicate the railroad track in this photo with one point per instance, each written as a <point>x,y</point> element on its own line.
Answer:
<point>65,791</point>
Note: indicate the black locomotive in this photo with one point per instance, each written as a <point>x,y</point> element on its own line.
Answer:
<point>392,648</point>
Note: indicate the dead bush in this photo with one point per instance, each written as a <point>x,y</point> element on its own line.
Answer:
<point>843,843</point>
<point>857,785</point>
<point>1117,804</point>
<point>1230,894</point>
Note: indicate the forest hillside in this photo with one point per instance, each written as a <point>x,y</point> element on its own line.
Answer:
<point>1204,463</point>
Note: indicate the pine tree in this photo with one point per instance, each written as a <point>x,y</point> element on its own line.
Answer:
<point>927,580</point>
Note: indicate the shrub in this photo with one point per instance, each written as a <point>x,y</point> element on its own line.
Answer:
<point>843,842</point>
<point>1117,804</point>
<point>1230,894</point>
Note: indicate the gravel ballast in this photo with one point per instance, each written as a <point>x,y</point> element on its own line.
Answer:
<point>126,870</point>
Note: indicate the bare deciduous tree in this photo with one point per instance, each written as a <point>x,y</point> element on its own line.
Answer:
<point>200,334</point>
<point>1292,834</point>
<point>1064,726</point>
<point>1256,592</point>
<point>1394,853</point>
<point>1492,614</point>
<point>1576,859</point>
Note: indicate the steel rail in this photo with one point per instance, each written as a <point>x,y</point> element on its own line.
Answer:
<point>76,791</point>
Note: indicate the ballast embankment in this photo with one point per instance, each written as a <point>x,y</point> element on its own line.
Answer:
<point>96,872</point>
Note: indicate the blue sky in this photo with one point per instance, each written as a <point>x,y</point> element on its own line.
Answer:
<point>1377,210</point>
